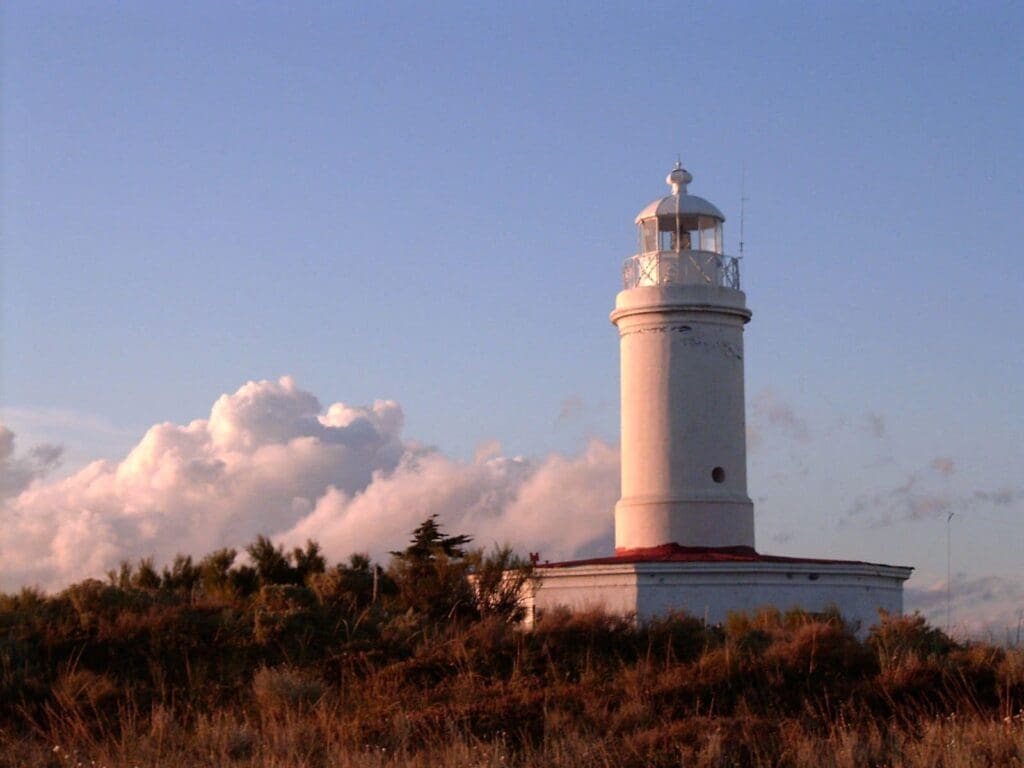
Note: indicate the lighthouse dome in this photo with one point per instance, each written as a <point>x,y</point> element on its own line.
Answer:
<point>680,202</point>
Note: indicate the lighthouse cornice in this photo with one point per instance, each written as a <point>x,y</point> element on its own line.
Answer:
<point>648,309</point>
<point>677,299</point>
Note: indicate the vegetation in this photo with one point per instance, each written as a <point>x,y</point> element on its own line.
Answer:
<point>285,661</point>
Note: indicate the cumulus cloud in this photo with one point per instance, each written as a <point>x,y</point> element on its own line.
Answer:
<point>18,473</point>
<point>270,459</point>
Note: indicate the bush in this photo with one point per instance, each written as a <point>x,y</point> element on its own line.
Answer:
<point>284,688</point>
<point>896,638</point>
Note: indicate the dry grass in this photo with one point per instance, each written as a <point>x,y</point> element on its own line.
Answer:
<point>287,675</point>
<point>320,738</point>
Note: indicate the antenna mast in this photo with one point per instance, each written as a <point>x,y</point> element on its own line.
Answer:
<point>949,572</point>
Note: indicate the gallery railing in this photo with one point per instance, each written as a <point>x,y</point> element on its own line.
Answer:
<point>681,268</point>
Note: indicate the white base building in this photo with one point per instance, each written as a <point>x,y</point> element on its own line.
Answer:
<point>711,583</point>
<point>684,527</point>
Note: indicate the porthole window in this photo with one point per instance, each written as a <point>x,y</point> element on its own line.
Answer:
<point>718,475</point>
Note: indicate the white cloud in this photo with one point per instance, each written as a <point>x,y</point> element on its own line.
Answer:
<point>979,606</point>
<point>269,459</point>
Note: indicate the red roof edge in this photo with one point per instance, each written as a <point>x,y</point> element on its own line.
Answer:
<point>676,553</point>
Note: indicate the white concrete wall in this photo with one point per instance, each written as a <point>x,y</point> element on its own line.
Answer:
<point>712,590</point>
<point>682,416</point>
<point>609,588</point>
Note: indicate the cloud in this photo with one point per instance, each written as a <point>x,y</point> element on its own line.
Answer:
<point>269,459</point>
<point>17,474</point>
<point>62,420</point>
<point>875,424</point>
<point>981,605</point>
<point>769,410</point>
<point>912,500</point>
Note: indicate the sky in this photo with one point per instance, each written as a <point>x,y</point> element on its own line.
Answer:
<point>320,269</point>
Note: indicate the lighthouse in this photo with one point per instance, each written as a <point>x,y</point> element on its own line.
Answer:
<point>680,318</point>
<point>684,525</point>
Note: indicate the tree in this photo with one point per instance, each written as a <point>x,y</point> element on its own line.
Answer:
<point>145,576</point>
<point>215,573</point>
<point>428,542</point>
<point>308,561</point>
<point>431,573</point>
<point>181,576</point>
<point>271,563</point>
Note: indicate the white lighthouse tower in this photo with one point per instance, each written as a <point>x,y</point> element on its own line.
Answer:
<point>680,318</point>
<point>684,526</point>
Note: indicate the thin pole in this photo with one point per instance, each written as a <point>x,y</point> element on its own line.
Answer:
<point>949,572</point>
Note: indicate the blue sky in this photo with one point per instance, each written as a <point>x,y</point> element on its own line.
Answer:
<point>431,205</point>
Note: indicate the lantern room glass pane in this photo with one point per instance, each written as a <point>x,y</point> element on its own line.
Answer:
<point>648,231</point>
<point>683,233</point>
<point>670,241</point>
<point>710,234</point>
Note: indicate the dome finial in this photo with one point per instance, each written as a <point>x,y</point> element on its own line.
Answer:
<point>678,179</point>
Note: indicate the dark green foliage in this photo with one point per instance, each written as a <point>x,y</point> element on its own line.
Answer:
<point>308,561</point>
<point>353,587</point>
<point>431,574</point>
<point>428,542</point>
<point>182,576</point>
<point>271,563</point>
<point>275,566</point>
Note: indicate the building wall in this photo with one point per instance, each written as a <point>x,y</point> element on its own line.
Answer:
<point>712,590</point>
<point>611,589</point>
<point>858,591</point>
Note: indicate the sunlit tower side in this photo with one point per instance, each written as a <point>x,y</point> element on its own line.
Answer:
<point>680,318</point>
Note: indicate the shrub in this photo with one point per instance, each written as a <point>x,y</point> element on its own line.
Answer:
<point>283,688</point>
<point>751,635</point>
<point>895,638</point>
<point>499,579</point>
<point>285,613</point>
<point>352,587</point>
<point>82,688</point>
<point>680,636</point>
<point>95,602</point>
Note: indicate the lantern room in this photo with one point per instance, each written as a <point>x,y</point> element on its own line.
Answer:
<point>680,241</point>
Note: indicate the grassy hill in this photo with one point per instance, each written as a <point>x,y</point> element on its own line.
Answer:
<point>290,662</point>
